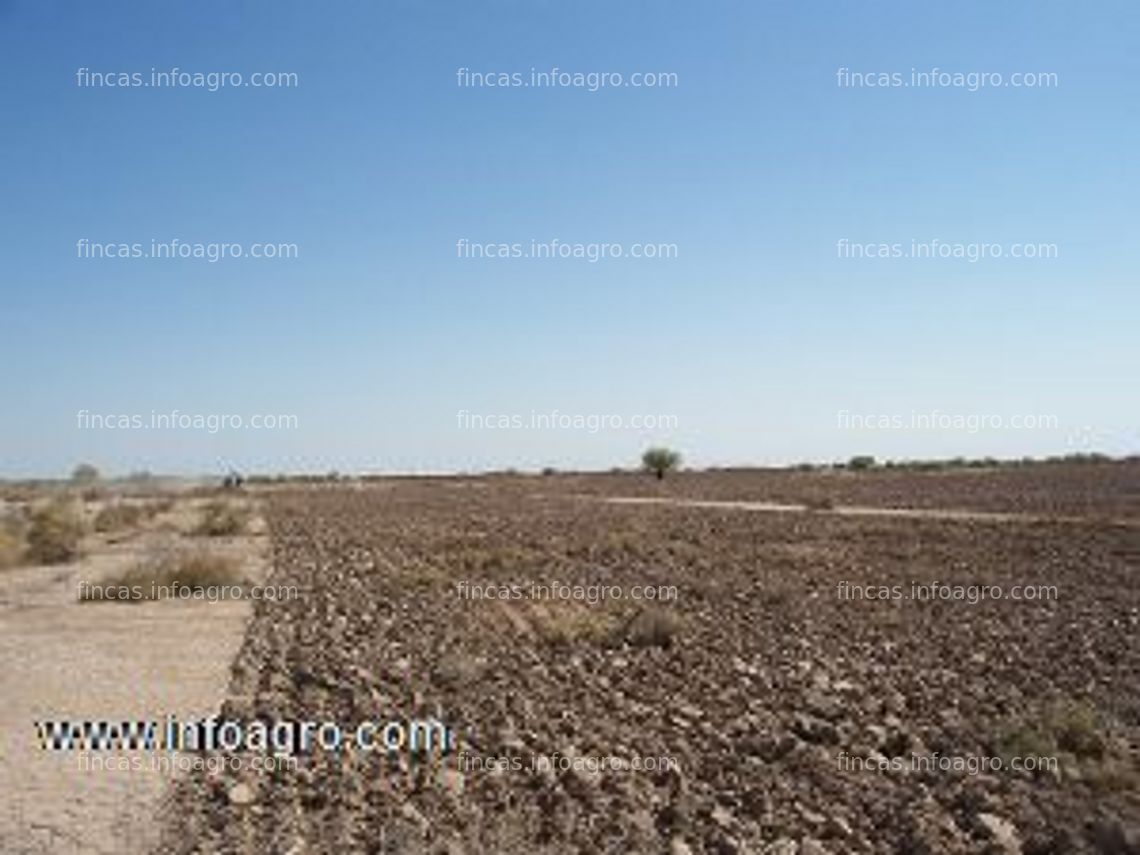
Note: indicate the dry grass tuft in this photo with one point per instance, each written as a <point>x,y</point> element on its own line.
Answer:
<point>222,519</point>
<point>11,550</point>
<point>567,625</point>
<point>117,517</point>
<point>195,569</point>
<point>54,533</point>
<point>1083,739</point>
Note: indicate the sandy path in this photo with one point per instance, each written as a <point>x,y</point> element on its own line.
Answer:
<point>853,510</point>
<point>62,660</point>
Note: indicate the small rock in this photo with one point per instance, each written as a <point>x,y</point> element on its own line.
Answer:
<point>241,795</point>
<point>837,826</point>
<point>1002,831</point>
<point>811,846</point>
<point>816,820</point>
<point>409,812</point>
<point>642,820</point>
<point>690,711</point>
<point>722,816</point>
<point>814,730</point>
<point>678,846</point>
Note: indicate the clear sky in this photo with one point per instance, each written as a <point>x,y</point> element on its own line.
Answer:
<point>760,159</point>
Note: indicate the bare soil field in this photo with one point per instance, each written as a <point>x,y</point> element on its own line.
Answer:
<point>1066,489</point>
<point>754,705</point>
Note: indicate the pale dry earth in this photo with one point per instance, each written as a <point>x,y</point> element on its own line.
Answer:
<point>65,660</point>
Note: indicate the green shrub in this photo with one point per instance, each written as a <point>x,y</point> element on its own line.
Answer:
<point>660,460</point>
<point>861,462</point>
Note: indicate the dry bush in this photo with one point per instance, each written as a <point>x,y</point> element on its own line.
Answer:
<point>163,505</point>
<point>13,527</point>
<point>568,625</point>
<point>221,519</point>
<point>1077,733</point>
<point>500,558</point>
<point>54,533</point>
<point>1077,730</point>
<point>10,550</point>
<point>652,627</point>
<point>459,669</point>
<point>196,569</point>
<point>118,516</point>
<point>125,515</point>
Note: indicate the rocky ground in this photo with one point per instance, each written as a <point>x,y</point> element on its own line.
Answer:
<point>775,698</point>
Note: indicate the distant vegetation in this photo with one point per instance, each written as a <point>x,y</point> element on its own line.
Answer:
<point>865,462</point>
<point>660,460</point>
<point>93,486</point>
<point>84,475</point>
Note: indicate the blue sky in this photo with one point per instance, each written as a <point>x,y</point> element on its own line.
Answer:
<point>755,165</point>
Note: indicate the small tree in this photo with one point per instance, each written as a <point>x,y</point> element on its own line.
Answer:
<point>660,460</point>
<point>861,462</point>
<point>84,475</point>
